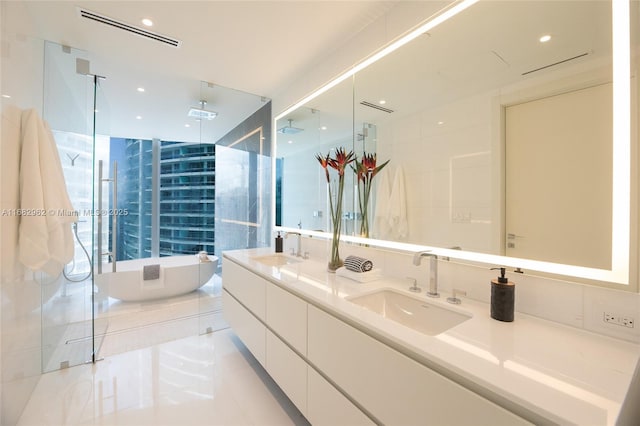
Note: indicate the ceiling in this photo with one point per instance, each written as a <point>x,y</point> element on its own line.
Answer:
<point>490,46</point>
<point>255,47</point>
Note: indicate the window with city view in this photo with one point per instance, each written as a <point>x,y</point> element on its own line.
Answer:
<point>186,201</point>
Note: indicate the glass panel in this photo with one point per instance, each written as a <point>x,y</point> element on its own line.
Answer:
<point>67,299</point>
<point>241,177</point>
<point>242,201</point>
<point>159,220</point>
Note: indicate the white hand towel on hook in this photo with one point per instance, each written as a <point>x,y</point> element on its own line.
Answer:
<point>397,216</point>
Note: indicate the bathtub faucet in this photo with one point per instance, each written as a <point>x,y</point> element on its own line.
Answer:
<point>203,256</point>
<point>299,247</point>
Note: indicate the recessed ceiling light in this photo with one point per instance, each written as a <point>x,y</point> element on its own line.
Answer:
<point>147,22</point>
<point>545,38</point>
<point>323,128</point>
<point>138,117</point>
<point>382,102</point>
<point>290,141</point>
<point>187,125</point>
<point>6,96</point>
<point>140,89</point>
<point>440,122</point>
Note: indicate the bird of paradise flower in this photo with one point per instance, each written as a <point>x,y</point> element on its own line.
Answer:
<point>339,163</point>
<point>366,170</point>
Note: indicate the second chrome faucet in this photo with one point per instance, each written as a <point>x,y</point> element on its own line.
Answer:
<point>298,252</point>
<point>433,271</point>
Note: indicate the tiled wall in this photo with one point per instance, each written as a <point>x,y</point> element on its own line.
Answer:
<point>448,172</point>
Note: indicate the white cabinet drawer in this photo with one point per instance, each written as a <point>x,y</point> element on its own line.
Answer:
<point>392,387</point>
<point>246,326</point>
<point>288,370</point>
<point>247,287</point>
<point>328,407</point>
<point>287,317</point>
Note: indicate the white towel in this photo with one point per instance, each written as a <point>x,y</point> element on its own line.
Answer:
<point>358,264</point>
<point>45,235</point>
<point>381,229</point>
<point>397,216</point>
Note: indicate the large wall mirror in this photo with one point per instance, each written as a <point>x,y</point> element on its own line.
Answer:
<point>510,125</point>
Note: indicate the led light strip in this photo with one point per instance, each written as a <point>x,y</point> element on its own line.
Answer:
<point>430,24</point>
<point>620,233</point>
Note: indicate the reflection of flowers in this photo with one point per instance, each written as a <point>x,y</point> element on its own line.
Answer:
<point>366,170</point>
<point>339,163</point>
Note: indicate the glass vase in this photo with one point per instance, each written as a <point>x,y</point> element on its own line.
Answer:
<point>334,260</point>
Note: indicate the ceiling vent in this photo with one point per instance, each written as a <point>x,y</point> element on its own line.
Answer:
<point>84,13</point>
<point>556,63</point>
<point>376,106</point>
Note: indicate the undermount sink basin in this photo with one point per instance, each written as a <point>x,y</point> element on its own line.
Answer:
<point>277,259</point>
<point>410,311</point>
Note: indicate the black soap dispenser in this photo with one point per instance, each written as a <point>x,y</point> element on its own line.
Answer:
<point>503,294</point>
<point>278,243</point>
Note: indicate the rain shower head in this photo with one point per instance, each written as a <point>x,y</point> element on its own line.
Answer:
<point>289,130</point>
<point>199,113</point>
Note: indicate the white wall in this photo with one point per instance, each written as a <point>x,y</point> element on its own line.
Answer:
<point>20,329</point>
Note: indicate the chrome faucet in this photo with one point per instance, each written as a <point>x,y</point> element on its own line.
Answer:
<point>433,271</point>
<point>299,247</point>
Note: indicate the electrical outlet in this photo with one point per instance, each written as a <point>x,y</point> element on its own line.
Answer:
<point>628,322</point>
<point>623,321</point>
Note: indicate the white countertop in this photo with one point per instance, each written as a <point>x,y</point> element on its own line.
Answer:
<point>561,373</point>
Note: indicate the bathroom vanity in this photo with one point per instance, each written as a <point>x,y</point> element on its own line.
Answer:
<point>342,356</point>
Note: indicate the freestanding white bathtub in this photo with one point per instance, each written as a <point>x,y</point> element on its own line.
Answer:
<point>178,275</point>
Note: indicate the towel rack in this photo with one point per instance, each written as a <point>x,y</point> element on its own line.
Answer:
<point>114,216</point>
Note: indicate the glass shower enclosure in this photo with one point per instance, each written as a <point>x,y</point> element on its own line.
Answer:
<point>151,198</point>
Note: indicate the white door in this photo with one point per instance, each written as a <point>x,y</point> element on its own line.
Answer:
<point>559,178</point>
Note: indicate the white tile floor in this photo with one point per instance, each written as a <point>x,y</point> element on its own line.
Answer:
<point>208,379</point>
<point>158,367</point>
<point>123,326</point>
